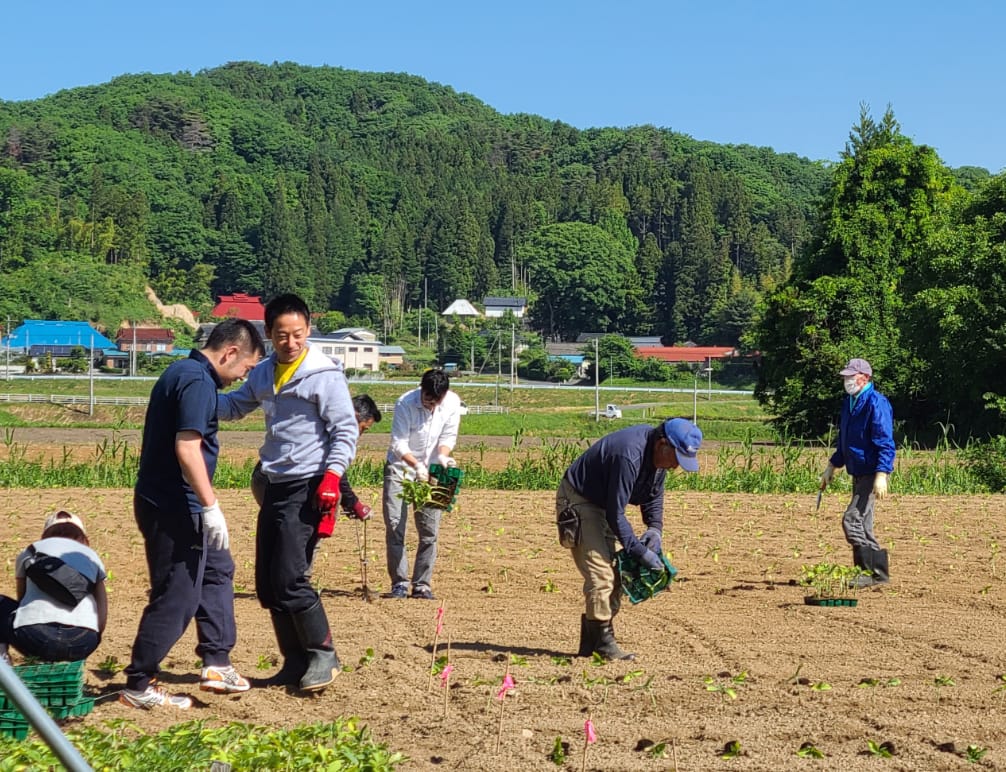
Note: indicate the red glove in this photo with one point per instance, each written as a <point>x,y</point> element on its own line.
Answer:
<point>361,511</point>
<point>326,500</point>
<point>327,524</point>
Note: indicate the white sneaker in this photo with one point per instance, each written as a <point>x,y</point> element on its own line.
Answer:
<point>153,697</point>
<point>223,680</point>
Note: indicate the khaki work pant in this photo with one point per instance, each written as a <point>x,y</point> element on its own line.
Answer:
<point>594,555</point>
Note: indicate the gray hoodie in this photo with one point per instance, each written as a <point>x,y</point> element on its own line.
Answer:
<point>310,424</point>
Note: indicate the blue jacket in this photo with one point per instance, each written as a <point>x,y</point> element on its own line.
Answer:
<point>618,470</point>
<point>865,435</point>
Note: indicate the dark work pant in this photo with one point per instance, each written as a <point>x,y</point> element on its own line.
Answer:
<point>51,641</point>
<point>186,581</point>
<point>284,544</point>
<point>857,522</point>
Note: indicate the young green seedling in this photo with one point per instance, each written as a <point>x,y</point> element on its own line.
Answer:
<point>975,753</point>
<point>884,750</point>
<point>731,750</point>
<point>809,751</point>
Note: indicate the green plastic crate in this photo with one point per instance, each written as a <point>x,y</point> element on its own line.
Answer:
<point>54,684</point>
<point>640,583</point>
<point>13,724</point>
<point>448,484</point>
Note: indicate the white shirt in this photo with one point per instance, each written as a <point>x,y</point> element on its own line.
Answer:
<point>422,432</point>
<point>37,608</point>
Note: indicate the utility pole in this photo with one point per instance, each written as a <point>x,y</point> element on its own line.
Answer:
<point>90,370</point>
<point>513,357</point>
<point>132,352</point>
<point>8,349</point>
<point>597,386</point>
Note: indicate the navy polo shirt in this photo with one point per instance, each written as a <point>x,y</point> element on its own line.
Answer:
<point>183,399</point>
<point>618,470</point>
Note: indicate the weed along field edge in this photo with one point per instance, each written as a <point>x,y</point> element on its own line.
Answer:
<point>731,661</point>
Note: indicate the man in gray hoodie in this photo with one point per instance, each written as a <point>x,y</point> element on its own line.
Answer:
<point>310,440</point>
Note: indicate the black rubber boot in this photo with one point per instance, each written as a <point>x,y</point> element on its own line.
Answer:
<point>316,640</point>
<point>881,573</point>
<point>294,656</point>
<point>604,641</point>
<point>586,638</point>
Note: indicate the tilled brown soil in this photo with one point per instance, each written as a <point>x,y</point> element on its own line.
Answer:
<point>510,591</point>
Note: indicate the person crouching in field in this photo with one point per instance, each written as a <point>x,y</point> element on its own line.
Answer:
<point>625,467</point>
<point>50,626</point>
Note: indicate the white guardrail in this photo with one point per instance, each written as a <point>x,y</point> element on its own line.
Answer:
<point>63,399</point>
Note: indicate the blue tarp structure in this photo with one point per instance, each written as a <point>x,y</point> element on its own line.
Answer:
<point>52,336</point>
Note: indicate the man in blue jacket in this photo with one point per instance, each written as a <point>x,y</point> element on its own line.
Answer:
<point>625,467</point>
<point>866,449</point>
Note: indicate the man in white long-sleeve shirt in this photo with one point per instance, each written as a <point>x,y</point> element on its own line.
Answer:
<point>424,430</point>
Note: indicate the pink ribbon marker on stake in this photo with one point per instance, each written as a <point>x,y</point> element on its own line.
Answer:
<point>507,686</point>
<point>440,619</point>
<point>588,731</point>
<point>446,674</point>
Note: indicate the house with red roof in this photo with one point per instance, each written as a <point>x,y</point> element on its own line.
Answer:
<point>240,305</point>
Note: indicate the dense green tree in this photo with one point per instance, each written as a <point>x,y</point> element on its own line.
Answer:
<point>847,296</point>
<point>581,274</point>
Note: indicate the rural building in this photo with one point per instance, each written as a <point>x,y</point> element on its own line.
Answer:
<point>39,337</point>
<point>149,340</point>
<point>498,306</point>
<point>461,307</point>
<point>356,347</point>
<point>392,356</point>
<point>239,306</point>
<point>688,354</point>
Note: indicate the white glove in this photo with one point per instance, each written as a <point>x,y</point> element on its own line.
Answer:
<point>419,472</point>
<point>880,485</point>
<point>215,527</point>
<point>446,461</point>
<point>827,475</point>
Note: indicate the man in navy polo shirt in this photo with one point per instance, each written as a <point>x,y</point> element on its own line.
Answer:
<point>184,531</point>
<point>622,468</point>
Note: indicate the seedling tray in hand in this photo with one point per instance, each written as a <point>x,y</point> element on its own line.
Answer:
<point>448,483</point>
<point>811,600</point>
<point>640,583</point>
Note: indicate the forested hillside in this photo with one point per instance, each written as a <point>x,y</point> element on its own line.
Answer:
<point>374,193</point>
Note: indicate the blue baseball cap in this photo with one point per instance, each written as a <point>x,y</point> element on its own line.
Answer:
<point>686,438</point>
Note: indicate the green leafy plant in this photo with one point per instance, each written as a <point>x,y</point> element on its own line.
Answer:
<point>808,751</point>
<point>941,682</point>
<point>820,686</point>
<point>884,750</point>
<point>265,662</point>
<point>731,750</point>
<point>974,753</point>
<point>419,493</point>
<point>338,744</point>
<point>561,661</point>
<point>726,689</point>
<point>549,586</point>
<point>367,658</point>
<point>658,750</point>
<point>109,666</point>
<point>558,754</point>
<point>831,580</point>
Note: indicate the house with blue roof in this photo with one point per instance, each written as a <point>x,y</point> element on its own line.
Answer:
<point>38,337</point>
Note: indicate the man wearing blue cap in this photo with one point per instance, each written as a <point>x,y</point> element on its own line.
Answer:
<point>866,449</point>
<point>622,468</point>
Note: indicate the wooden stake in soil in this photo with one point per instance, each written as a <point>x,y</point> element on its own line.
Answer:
<point>589,736</point>
<point>436,640</point>
<point>674,753</point>
<point>445,676</point>
<point>501,694</point>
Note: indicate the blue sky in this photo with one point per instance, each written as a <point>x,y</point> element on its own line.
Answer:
<point>787,75</point>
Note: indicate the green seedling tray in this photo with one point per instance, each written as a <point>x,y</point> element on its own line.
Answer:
<point>810,600</point>
<point>640,583</point>
<point>449,481</point>
<point>13,724</point>
<point>52,683</point>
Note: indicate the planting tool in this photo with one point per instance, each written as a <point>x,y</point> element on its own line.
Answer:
<point>820,493</point>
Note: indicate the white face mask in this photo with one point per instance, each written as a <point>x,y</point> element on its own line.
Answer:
<point>851,384</point>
